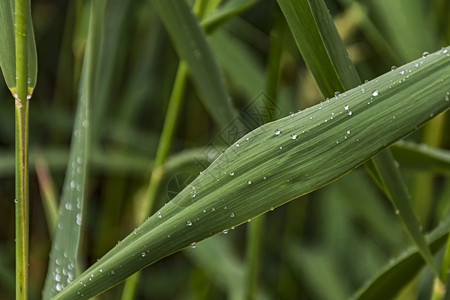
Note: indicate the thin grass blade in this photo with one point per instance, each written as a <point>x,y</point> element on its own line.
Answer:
<point>397,274</point>
<point>64,252</point>
<point>278,162</point>
<point>191,45</point>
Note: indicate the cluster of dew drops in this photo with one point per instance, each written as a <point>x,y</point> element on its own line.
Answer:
<point>295,136</point>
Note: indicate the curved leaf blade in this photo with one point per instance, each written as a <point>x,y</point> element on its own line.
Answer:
<point>190,42</point>
<point>396,275</point>
<point>278,162</point>
<point>64,252</point>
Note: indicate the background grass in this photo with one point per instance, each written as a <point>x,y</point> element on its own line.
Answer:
<point>347,228</point>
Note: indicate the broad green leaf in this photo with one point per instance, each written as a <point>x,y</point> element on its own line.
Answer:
<point>225,12</point>
<point>64,252</point>
<point>278,162</point>
<point>7,46</point>
<point>191,45</point>
<point>394,276</point>
<point>421,157</point>
<point>328,61</point>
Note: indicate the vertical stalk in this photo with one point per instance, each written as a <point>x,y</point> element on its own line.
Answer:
<point>170,123</point>
<point>21,124</point>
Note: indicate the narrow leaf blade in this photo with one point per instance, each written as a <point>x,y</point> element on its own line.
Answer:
<point>396,275</point>
<point>64,252</point>
<point>191,45</point>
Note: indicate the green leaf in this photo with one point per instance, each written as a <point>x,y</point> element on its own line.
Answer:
<point>328,60</point>
<point>190,42</point>
<point>320,45</point>
<point>278,162</point>
<point>7,46</point>
<point>398,273</point>
<point>64,252</point>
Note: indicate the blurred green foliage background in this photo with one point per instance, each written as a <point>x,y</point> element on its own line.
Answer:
<point>324,245</point>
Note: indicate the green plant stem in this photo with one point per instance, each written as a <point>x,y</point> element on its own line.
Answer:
<point>170,123</point>
<point>21,115</point>
<point>254,251</point>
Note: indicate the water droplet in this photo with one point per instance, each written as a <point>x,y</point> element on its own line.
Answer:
<point>291,114</point>
<point>15,201</point>
<point>225,231</point>
<point>277,132</point>
<point>143,254</point>
<point>193,245</point>
<point>28,97</point>
<point>294,136</point>
<point>79,219</point>
<point>272,209</point>
<point>444,51</point>
<point>375,93</point>
<point>68,206</point>
<point>231,173</point>
<point>264,177</point>
<point>346,107</point>
<point>401,71</point>
<point>393,68</point>
<point>350,113</point>
<point>189,223</point>
<point>159,215</point>
<point>425,54</point>
<point>237,144</point>
<point>232,215</point>
<point>101,270</point>
<point>249,182</point>
<point>348,131</point>
<point>281,147</point>
<point>337,94</point>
